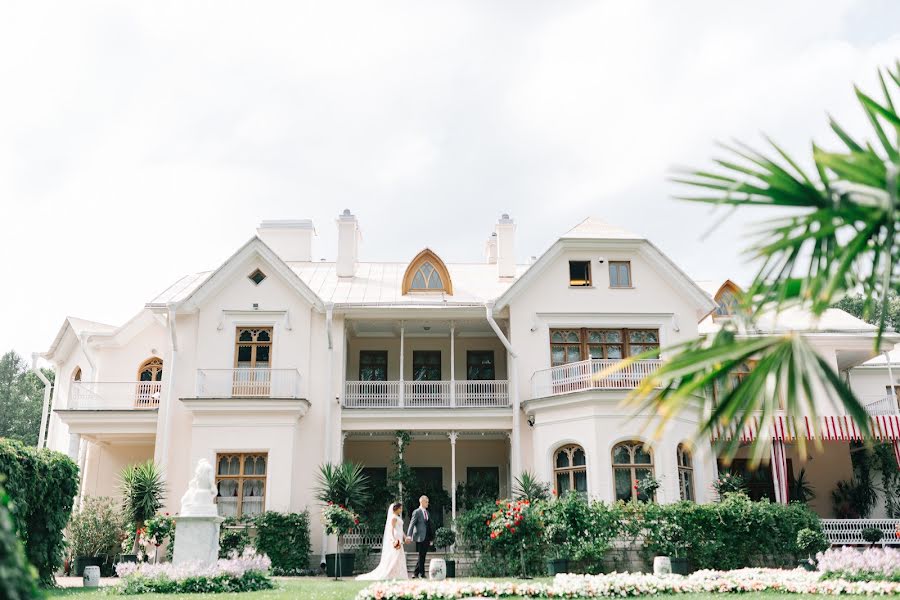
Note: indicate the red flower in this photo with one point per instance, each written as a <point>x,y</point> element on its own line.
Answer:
<point>554,491</point>
<point>513,530</point>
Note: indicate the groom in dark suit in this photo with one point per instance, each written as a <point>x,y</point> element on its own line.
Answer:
<point>420,530</point>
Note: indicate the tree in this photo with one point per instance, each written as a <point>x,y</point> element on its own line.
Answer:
<point>856,306</point>
<point>21,399</point>
<point>839,238</point>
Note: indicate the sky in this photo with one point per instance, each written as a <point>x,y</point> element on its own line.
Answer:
<point>141,141</point>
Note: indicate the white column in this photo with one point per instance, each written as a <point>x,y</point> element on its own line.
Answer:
<point>452,365</point>
<point>514,439</point>
<point>343,441</point>
<point>453,435</point>
<point>402,339</point>
<point>400,445</point>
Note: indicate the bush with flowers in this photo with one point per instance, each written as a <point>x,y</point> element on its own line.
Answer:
<point>246,572</point>
<point>617,585</point>
<point>157,531</point>
<point>338,519</point>
<point>851,564</point>
<point>517,532</point>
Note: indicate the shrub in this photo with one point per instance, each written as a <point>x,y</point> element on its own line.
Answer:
<point>233,536</point>
<point>515,540</point>
<point>729,483</point>
<point>18,579</point>
<point>872,535</point>
<point>42,485</point>
<point>247,572</point>
<point>444,537</point>
<point>338,519</point>
<point>284,538</point>
<point>811,541</point>
<point>95,529</point>
<point>143,491</point>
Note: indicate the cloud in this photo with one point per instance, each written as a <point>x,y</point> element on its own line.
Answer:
<point>140,141</point>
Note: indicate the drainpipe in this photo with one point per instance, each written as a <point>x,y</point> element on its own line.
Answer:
<point>45,409</point>
<point>329,392</point>
<point>515,461</point>
<point>170,389</point>
<point>887,359</point>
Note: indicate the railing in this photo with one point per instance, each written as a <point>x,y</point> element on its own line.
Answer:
<point>114,395</point>
<point>362,538</point>
<point>590,374</point>
<point>248,383</point>
<point>482,393</point>
<point>880,405</point>
<point>849,531</point>
<point>426,394</point>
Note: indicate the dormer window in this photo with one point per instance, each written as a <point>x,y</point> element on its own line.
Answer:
<point>727,300</point>
<point>427,273</point>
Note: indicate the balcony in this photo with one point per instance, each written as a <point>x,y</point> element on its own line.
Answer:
<point>106,395</point>
<point>427,394</point>
<point>248,383</point>
<point>878,406</point>
<point>590,374</point>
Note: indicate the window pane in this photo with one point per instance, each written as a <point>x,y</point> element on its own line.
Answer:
<point>562,459</point>
<point>641,456</point>
<point>579,273</point>
<point>244,354</point>
<point>647,337</point>
<point>573,354</point>
<point>614,351</point>
<point>245,336</point>
<point>480,365</point>
<point>573,337</point>
<point>563,484</point>
<point>621,456</point>
<point>418,281</point>
<point>687,485</point>
<point>434,281</point>
<point>262,356</point>
<point>595,337</point>
<point>641,475</point>
<point>613,336</point>
<point>263,336</point>
<point>556,337</point>
<point>578,458</point>
<point>557,355</point>
<point>595,351</point>
<point>228,488</point>
<point>623,484</point>
<point>581,481</point>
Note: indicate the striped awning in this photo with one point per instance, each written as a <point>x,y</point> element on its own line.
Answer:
<point>884,428</point>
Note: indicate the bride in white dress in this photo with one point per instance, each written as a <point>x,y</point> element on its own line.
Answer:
<point>393,556</point>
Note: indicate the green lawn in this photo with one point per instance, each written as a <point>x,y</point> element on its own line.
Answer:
<point>327,589</point>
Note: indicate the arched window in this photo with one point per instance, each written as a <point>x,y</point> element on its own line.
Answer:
<point>151,370</point>
<point>76,374</point>
<point>570,469</point>
<point>685,472</point>
<point>631,463</point>
<point>727,299</point>
<point>427,273</point>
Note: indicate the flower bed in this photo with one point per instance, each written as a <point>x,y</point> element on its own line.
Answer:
<point>245,573</point>
<point>631,584</point>
<point>854,565</point>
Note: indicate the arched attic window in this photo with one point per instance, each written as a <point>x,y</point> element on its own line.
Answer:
<point>427,273</point>
<point>728,299</point>
<point>76,374</point>
<point>151,370</point>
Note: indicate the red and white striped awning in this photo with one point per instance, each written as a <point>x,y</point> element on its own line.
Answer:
<point>884,428</point>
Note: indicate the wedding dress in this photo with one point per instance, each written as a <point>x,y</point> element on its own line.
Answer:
<point>393,560</point>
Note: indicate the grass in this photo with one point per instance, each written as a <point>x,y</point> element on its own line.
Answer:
<point>328,589</point>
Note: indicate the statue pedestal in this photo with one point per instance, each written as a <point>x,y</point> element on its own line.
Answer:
<point>196,539</point>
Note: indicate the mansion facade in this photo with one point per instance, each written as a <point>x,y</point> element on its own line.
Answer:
<point>275,363</point>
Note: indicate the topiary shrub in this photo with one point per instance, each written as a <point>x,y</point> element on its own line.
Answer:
<point>42,485</point>
<point>872,535</point>
<point>284,538</point>
<point>18,579</point>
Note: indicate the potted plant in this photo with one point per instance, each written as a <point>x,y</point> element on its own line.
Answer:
<point>811,542</point>
<point>556,535</point>
<point>646,488</point>
<point>93,533</point>
<point>143,491</point>
<point>157,530</point>
<point>341,488</point>
<point>873,535</point>
<point>669,539</point>
<point>445,537</point>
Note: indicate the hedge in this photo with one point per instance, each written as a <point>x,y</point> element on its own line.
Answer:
<point>42,485</point>
<point>18,579</point>
<point>283,537</point>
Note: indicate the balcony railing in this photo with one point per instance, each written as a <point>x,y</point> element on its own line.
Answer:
<point>849,531</point>
<point>114,395</point>
<point>590,375</point>
<point>248,383</point>
<point>877,406</point>
<point>427,394</point>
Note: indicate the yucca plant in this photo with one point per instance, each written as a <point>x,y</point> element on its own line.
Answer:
<point>143,490</point>
<point>528,487</point>
<point>839,238</point>
<point>343,484</point>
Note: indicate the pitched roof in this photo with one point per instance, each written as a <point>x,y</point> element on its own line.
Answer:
<point>598,229</point>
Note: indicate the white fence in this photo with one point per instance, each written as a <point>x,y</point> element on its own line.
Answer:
<point>880,405</point>
<point>248,383</point>
<point>595,373</point>
<point>849,531</point>
<point>426,394</point>
<point>114,395</point>
<point>362,538</point>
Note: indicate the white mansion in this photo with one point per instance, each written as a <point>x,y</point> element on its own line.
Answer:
<point>274,363</point>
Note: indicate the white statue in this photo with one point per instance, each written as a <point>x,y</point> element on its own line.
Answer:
<point>200,499</point>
